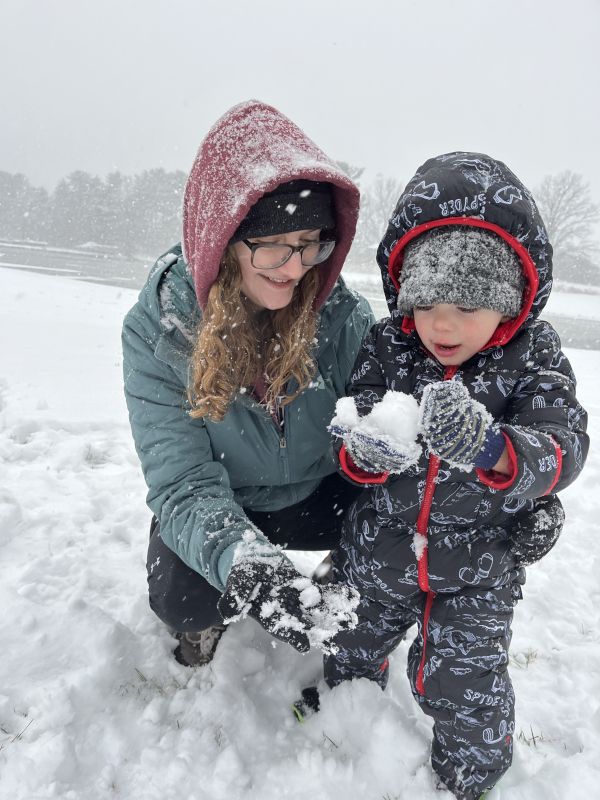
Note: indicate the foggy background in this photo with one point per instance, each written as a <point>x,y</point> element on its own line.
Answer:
<point>103,85</point>
<point>104,104</point>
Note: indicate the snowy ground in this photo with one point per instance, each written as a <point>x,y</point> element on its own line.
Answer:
<point>92,706</point>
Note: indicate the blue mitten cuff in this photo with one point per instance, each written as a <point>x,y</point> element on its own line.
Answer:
<point>491,450</point>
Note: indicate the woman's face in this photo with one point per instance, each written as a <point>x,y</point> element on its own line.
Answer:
<point>273,289</point>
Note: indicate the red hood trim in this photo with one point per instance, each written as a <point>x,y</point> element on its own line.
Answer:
<point>506,330</point>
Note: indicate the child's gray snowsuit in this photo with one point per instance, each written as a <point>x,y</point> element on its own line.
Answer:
<point>460,583</point>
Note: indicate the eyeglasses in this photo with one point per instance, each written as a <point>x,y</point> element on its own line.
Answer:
<point>271,256</point>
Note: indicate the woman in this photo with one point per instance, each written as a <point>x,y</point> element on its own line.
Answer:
<point>234,357</point>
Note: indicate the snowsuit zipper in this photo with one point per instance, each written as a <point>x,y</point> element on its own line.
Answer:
<point>422,563</point>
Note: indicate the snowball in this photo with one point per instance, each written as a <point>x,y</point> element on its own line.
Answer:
<point>338,606</point>
<point>390,428</point>
<point>396,418</point>
<point>345,413</point>
<point>310,596</point>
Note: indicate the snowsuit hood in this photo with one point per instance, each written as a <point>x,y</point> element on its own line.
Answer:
<point>472,189</point>
<point>248,152</point>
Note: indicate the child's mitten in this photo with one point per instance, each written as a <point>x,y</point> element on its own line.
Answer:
<point>370,452</point>
<point>457,428</point>
<point>534,532</point>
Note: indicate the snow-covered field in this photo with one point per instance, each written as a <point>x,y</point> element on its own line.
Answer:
<point>92,706</point>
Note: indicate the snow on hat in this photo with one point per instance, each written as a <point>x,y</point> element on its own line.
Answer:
<point>293,206</point>
<point>468,267</point>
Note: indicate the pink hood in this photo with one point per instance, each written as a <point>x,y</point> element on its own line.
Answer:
<point>247,153</point>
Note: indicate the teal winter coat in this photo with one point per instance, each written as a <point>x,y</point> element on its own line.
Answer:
<point>202,474</point>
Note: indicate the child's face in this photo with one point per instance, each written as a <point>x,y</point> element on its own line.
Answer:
<point>454,334</point>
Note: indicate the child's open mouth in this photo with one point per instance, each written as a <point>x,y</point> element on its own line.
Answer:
<point>445,349</point>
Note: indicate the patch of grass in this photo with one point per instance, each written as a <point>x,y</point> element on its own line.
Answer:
<point>17,736</point>
<point>328,742</point>
<point>147,688</point>
<point>533,739</point>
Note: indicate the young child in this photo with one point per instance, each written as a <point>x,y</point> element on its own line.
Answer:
<point>441,541</point>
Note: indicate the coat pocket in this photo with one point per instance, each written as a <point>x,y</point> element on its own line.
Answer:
<point>467,559</point>
<point>458,501</point>
<point>535,531</point>
<point>394,565</point>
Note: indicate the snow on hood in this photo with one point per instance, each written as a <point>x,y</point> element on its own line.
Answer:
<point>247,153</point>
<point>474,189</point>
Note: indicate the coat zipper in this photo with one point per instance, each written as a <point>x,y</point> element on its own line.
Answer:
<point>422,563</point>
<point>279,420</point>
<point>278,417</point>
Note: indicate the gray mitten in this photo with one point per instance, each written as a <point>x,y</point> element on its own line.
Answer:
<point>372,453</point>
<point>457,428</point>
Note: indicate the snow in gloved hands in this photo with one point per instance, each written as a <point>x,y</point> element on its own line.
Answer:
<point>265,585</point>
<point>385,438</point>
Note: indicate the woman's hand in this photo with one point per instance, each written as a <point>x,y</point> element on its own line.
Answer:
<point>287,604</point>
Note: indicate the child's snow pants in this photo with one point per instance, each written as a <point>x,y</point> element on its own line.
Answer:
<point>457,667</point>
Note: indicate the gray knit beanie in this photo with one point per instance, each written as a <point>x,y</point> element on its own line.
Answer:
<point>466,266</point>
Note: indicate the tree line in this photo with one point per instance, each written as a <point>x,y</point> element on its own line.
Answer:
<point>141,215</point>
<point>129,215</point>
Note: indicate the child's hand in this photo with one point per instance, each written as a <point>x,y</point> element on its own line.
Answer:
<point>385,439</point>
<point>457,428</point>
<point>372,453</point>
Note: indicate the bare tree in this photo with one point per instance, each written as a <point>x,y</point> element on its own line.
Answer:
<point>377,203</point>
<point>570,215</point>
<point>351,170</point>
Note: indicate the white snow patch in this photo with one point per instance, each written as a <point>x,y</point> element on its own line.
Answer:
<point>92,703</point>
<point>419,544</point>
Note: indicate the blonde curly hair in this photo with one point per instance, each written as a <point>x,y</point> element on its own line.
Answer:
<point>237,345</point>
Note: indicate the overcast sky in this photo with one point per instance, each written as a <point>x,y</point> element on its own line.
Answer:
<point>100,85</point>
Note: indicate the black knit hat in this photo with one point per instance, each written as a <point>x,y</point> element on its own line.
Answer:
<point>293,206</point>
<point>466,266</point>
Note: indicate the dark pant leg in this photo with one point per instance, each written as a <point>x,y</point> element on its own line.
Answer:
<point>363,651</point>
<point>185,601</point>
<point>313,524</point>
<point>467,689</point>
<point>179,596</point>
